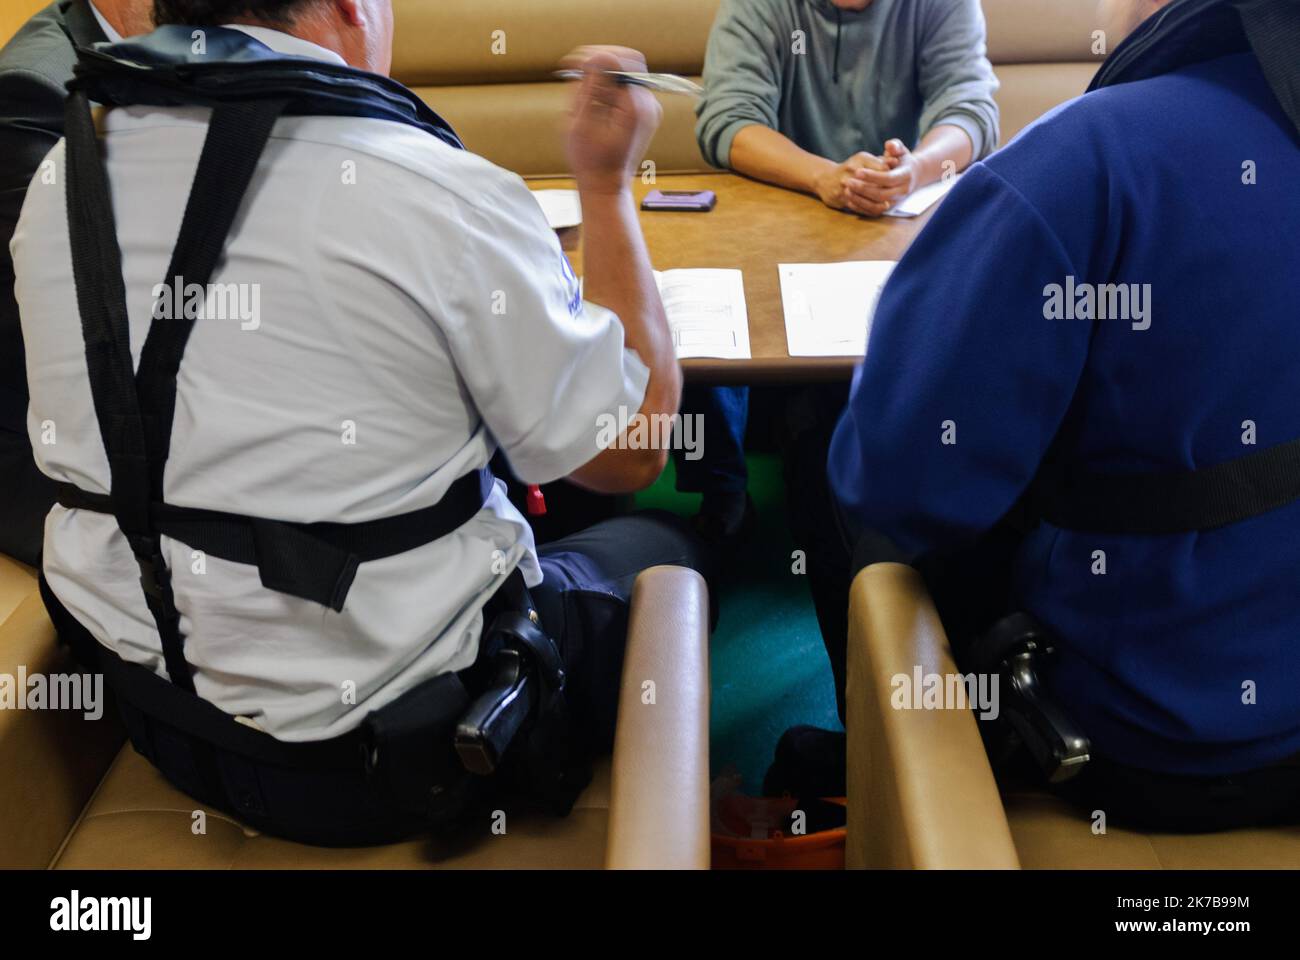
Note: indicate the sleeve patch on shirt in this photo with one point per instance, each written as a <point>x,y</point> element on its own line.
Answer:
<point>572,285</point>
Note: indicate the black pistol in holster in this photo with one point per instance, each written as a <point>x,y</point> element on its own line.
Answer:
<point>1015,649</point>
<point>523,713</point>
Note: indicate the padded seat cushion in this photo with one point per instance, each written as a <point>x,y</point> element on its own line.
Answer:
<point>488,68</point>
<point>521,126</point>
<point>138,820</point>
<point>1028,90</point>
<point>17,583</point>
<point>1051,834</point>
<point>43,783</point>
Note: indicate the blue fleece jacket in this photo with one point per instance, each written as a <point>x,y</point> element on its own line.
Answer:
<point>1183,656</point>
<point>840,81</point>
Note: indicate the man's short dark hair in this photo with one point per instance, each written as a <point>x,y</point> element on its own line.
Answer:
<point>213,13</point>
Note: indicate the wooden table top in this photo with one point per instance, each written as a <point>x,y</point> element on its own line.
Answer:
<point>753,228</point>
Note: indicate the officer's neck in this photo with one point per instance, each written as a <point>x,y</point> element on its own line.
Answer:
<point>325,30</point>
<point>128,17</point>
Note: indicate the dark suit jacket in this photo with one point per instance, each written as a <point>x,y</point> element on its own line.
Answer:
<point>34,66</point>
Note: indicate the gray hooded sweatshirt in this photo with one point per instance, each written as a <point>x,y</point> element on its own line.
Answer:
<point>838,81</point>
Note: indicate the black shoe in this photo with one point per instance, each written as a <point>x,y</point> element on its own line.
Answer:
<point>809,762</point>
<point>725,520</point>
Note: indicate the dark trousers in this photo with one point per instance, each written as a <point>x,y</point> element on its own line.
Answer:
<point>1267,796</point>
<point>721,469</point>
<point>809,420</point>
<point>583,602</point>
<point>583,605</point>
<point>28,496</point>
<point>971,587</point>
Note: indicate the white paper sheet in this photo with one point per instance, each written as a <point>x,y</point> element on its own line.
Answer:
<point>706,312</point>
<point>918,201</point>
<point>828,306</point>
<point>561,207</point>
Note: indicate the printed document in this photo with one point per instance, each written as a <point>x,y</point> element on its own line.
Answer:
<point>919,201</point>
<point>561,207</point>
<point>706,312</point>
<point>828,306</point>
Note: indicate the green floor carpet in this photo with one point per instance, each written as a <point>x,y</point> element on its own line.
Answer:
<point>769,668</point>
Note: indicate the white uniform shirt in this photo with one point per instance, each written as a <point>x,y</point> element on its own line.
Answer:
<point>415,312</point>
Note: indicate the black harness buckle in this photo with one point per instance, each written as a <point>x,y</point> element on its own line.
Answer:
<point>155,579</point>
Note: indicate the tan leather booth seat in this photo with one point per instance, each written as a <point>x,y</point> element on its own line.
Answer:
<point>14,13</point>
<point>50,760</point>
<point>646,808</point>
<point>488,68</point>
<point>922,794</point>
<point>1042,53</point>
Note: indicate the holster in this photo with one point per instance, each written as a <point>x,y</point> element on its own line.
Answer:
<point>520,726</point>
<point>1016,649</point>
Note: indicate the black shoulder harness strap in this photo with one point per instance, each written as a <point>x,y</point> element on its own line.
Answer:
<point>1168,503</point>
<point>315,561</point>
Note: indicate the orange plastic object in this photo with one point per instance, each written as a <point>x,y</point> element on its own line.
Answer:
<point>816,851</point>
<point>823,850</point>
